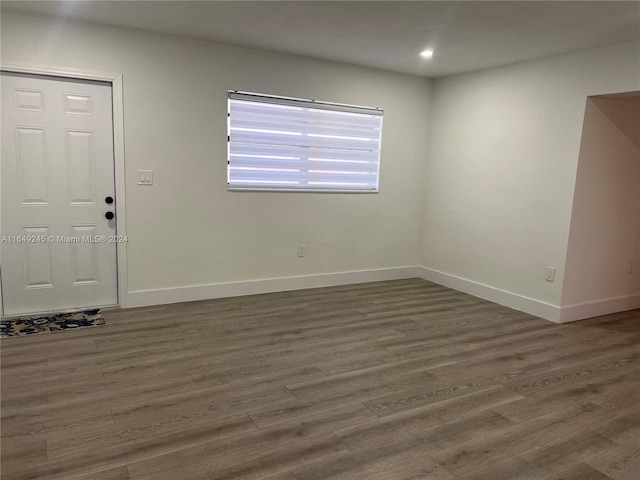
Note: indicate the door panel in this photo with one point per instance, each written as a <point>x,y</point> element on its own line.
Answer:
<point>81,176</point>
<point>78,104</point>
<point>37,259</point>
<point>57,169</point>
<point>32,169</point>
<point>84,256</point>
<point>28,100</point>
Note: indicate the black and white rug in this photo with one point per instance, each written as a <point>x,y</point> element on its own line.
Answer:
<point>58,322</point>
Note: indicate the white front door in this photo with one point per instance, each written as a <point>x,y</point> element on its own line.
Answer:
<point>58,249</point>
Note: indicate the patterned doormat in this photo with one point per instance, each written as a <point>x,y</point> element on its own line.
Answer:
<point>58,322</point>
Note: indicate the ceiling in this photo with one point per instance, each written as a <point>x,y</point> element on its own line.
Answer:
<point>466,35</point>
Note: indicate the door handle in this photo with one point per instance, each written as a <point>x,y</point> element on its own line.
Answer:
<point>108,200</point>
<point>109,215</point>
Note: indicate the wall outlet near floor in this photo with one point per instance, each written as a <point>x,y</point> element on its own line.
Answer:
<point>549,274</point>
<point>302,250</point>
<point>630,268</point>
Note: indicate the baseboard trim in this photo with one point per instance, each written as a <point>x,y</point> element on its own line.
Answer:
<point>144,298</point>
<point>571,313</point>
<point>538,308</point>
<point>547,311</point>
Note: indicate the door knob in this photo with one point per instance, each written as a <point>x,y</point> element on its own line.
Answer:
<point>108,200</point>
<point>109,215</point>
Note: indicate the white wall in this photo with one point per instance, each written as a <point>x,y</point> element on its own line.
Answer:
<point>187,230</point>
<point>605,223</point>
<point>487,203</point>
<point>502,169</point>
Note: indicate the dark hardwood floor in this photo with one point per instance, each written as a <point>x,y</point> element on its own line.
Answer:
<point>398,380</point>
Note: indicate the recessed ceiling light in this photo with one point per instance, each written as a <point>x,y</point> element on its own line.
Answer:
<point>428,53</point>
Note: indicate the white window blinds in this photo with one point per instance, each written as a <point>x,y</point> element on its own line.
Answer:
<point>288,144</point>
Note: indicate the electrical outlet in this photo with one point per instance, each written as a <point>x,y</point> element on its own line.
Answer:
<point>549,274</point>
<point>630,269</point>
<point>302,250</point>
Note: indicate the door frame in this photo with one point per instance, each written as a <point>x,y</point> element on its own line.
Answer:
<point>117,105</point>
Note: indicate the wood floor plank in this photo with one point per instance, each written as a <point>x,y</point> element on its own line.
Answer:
<point>41,419</point>
<point>196,403</point>
<point>289,410</point>
<point>580,471</point>
<point>514,440</point>
<point>613,393</point>
<point>147,440</point>
<point>243,457</point>
<point>510,468</point>
<point>20,451</point>
<point>118,473</point>
<point>282,476</point>
<point>568,450</point>
<point>332,416</point>
<point>427,394</point>
<point>531,408</point>
<point>581,374</point>
<point>430,438</point>
<point>127,390</point>
<point>360,385</point>
<point>619,425</point>
<point>19,399</point>
<point>463,408</point>
<point>375,464</point>
<point>123,356</point>
<point>620,463</point>
<point>392,380</point>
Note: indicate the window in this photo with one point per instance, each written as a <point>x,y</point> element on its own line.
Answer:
<point>290,144</point>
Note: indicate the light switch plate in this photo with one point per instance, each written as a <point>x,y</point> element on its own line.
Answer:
<point>145,177</point>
